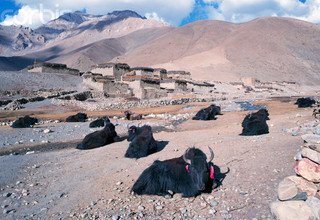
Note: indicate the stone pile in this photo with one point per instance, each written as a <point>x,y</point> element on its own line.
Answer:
<point>299,196</point>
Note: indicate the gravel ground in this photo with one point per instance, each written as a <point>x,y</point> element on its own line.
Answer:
<point>95,184</point>
<point>62,132</point>
<point>29,82</point>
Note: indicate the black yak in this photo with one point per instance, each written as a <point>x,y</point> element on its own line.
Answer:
<point>24,122</point>
<point>207,114</point>
<point>305,102</point>
<point>132,116</point>
<point>142,142</point>
<point>256,123</point>
<point>106,136</point>
<point>189,174</point>
<point>80,117</point>
<point>99,122</point>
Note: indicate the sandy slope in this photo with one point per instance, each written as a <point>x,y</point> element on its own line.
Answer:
<point>84,183</point>
<point>267,48</point>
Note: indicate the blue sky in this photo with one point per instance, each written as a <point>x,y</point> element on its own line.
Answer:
<point>175,12</point>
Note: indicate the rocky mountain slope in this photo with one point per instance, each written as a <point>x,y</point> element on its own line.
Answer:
<point>18,38</point>
<point>269,49</point>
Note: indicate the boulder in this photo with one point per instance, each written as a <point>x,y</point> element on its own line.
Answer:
<point>304,185</point>
<point>308,170</point>
<point>311,138</point>
<point>311,154</point>
<point>314,204</point>
<point>315,147</point>
<point>287,190</point>
<point>290,210</point>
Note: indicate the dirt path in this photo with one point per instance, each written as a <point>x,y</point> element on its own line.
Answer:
<point>96,184</point>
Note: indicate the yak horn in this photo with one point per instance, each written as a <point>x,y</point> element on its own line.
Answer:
<point>188,161</point>
<point>211,154</point>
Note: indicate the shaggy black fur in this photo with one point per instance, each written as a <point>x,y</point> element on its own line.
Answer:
<point>24,122</point>
<point>142,142</point>
<point>305,102</point>
<point>171,175</point>
<point>99,122</point>
<point>106,136</point>
<point>256,123</point>
<point>80,117</point>
<point>209,113</point>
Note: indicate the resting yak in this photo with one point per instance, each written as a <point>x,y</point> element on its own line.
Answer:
<point>79,117</point>
<point>132,116</point>
<point>24,122</point>
<point>99,122</point>
<point>191,174</point>
<point>305,102</point>
<point>256,123</point>
<point>142,142</point>
<point>106,136</point>
<point>207,114</point>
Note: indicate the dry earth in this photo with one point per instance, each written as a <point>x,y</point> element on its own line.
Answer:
<point>68,183</point>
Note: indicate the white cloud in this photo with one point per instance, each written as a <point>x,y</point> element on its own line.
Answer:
<point>168,10</point>
<point>245,10</point>
<point>155,16</point>
<point>30,17</point>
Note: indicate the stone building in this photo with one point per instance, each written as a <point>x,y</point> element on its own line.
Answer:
<point>160,73</point>
<point>142,71</point>
<point>117,70</point>
<point>52,68</point>
<point>179,75</point>
<point>115,89</point>
<point>200,87</point>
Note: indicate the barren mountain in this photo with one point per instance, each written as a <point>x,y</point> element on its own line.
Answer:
<point>270,49</point>
<point>267,48</point>
<point>18,38</point>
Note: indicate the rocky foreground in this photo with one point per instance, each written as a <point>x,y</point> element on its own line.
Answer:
<point>298,195</point>
<point>65,183</point>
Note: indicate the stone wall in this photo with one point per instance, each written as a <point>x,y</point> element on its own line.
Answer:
<point>91,83</point>
<point>117,89</point>
<point>105,71</point>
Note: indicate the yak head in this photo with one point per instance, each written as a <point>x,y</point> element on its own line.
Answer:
<point>132,132</point>
<point>200,169</point>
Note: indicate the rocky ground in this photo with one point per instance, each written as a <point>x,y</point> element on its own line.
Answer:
<point>65,183</point>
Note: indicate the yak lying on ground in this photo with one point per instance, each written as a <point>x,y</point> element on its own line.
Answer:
<point>99,122</point>
<point>305,102</point>
<point>207,114</point>
<point>132,116</point>
<point>142,142</point>
<point>189,174</point>
<point>80,117</point>
<point>256,123</point>
<point>106,136</point>
<point>24,122</point>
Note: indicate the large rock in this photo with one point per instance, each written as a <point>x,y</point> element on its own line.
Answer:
<point>303,185</point>
<point>292,210</point>
<point>314,204</point>
<point>311,138</point>
<point>311,154</point>
<point>287,190</point>
<point>308,170</point>
<point>315,147</point>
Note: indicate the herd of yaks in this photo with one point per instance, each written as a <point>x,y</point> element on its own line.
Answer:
<point>191,174</point>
